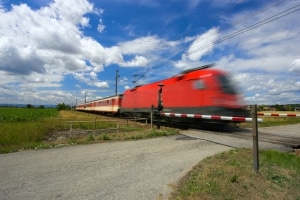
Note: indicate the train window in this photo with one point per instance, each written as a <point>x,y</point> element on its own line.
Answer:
<point>226,85</point>
<point>198,84</point>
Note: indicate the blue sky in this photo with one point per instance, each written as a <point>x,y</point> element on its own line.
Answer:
<point>59,51</point>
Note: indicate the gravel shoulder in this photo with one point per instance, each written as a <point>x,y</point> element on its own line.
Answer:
<point>144,169</point>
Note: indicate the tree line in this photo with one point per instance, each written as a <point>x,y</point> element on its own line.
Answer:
<point>60,106</point>
<point>279,107</point>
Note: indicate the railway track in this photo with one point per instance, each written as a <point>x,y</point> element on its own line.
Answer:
<point>288,140</point>
<point>221,129</point>
<point>236,132</point>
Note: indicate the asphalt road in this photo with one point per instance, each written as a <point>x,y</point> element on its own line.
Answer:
<point>144,169</point>
<point>282,138</point>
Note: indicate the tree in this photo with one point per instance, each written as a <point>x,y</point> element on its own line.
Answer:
<point>29,106</point>
<point>63,106</point>
<point>279,107</point>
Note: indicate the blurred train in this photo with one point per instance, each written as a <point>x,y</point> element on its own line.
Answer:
<point>203,90</point>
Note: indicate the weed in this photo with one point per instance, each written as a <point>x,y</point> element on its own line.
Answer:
<point>136,137</point>
<point>105,137</point>
<point>90,137</point>
<point>234,179</point>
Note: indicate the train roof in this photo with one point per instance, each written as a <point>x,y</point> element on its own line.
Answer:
<point>179,76</point>
<point>109,97</point>
<point>196,69</point>
<point>104,98</point>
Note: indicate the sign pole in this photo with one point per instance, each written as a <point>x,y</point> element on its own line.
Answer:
<point>255,137</point>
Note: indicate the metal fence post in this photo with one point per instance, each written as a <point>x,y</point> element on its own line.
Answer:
<point>118,127</point>
<point>71,126</point>
<point>255,137</point>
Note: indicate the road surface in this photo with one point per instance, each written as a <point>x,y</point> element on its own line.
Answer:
<point>144,169</point>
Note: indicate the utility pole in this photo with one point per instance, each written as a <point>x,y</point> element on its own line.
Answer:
<point>117,77</point>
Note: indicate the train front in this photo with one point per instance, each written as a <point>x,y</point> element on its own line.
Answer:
<point>203,92</point>
<point>222,96</point>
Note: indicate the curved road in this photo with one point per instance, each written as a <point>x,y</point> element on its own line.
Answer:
<point>144,169</point>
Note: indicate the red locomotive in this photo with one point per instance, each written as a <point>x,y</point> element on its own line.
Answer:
<point>202,90</point>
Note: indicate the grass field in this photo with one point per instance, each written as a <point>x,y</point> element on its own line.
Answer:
<point>22,128</point>
<point>25,114</point>
<point>230,175</point>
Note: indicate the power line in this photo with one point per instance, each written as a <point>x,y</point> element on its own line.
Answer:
<point>258,12</point>
<point>256,25</point>
<point>245,18</point>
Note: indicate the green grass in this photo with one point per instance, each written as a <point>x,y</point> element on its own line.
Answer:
<point>284,160</point>
<point>277,121</point>
<point>230,175</point>
<point>22,128</point>
<point>273,121</point>
<point>26,114</point>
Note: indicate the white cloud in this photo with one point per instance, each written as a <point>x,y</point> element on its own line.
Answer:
<point>101,27</point>
<point>72,11</point>
<point>45,44</point>
<point>295,66</point>
<point>202,45</point>
<point>265,88</point>
<point>102,84</point>
<point>31,39</point>
<point>141,45</point>
<point>138,61</point>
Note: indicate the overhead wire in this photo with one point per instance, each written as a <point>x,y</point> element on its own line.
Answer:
<point>245,18</point>
<point>256,25</point>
